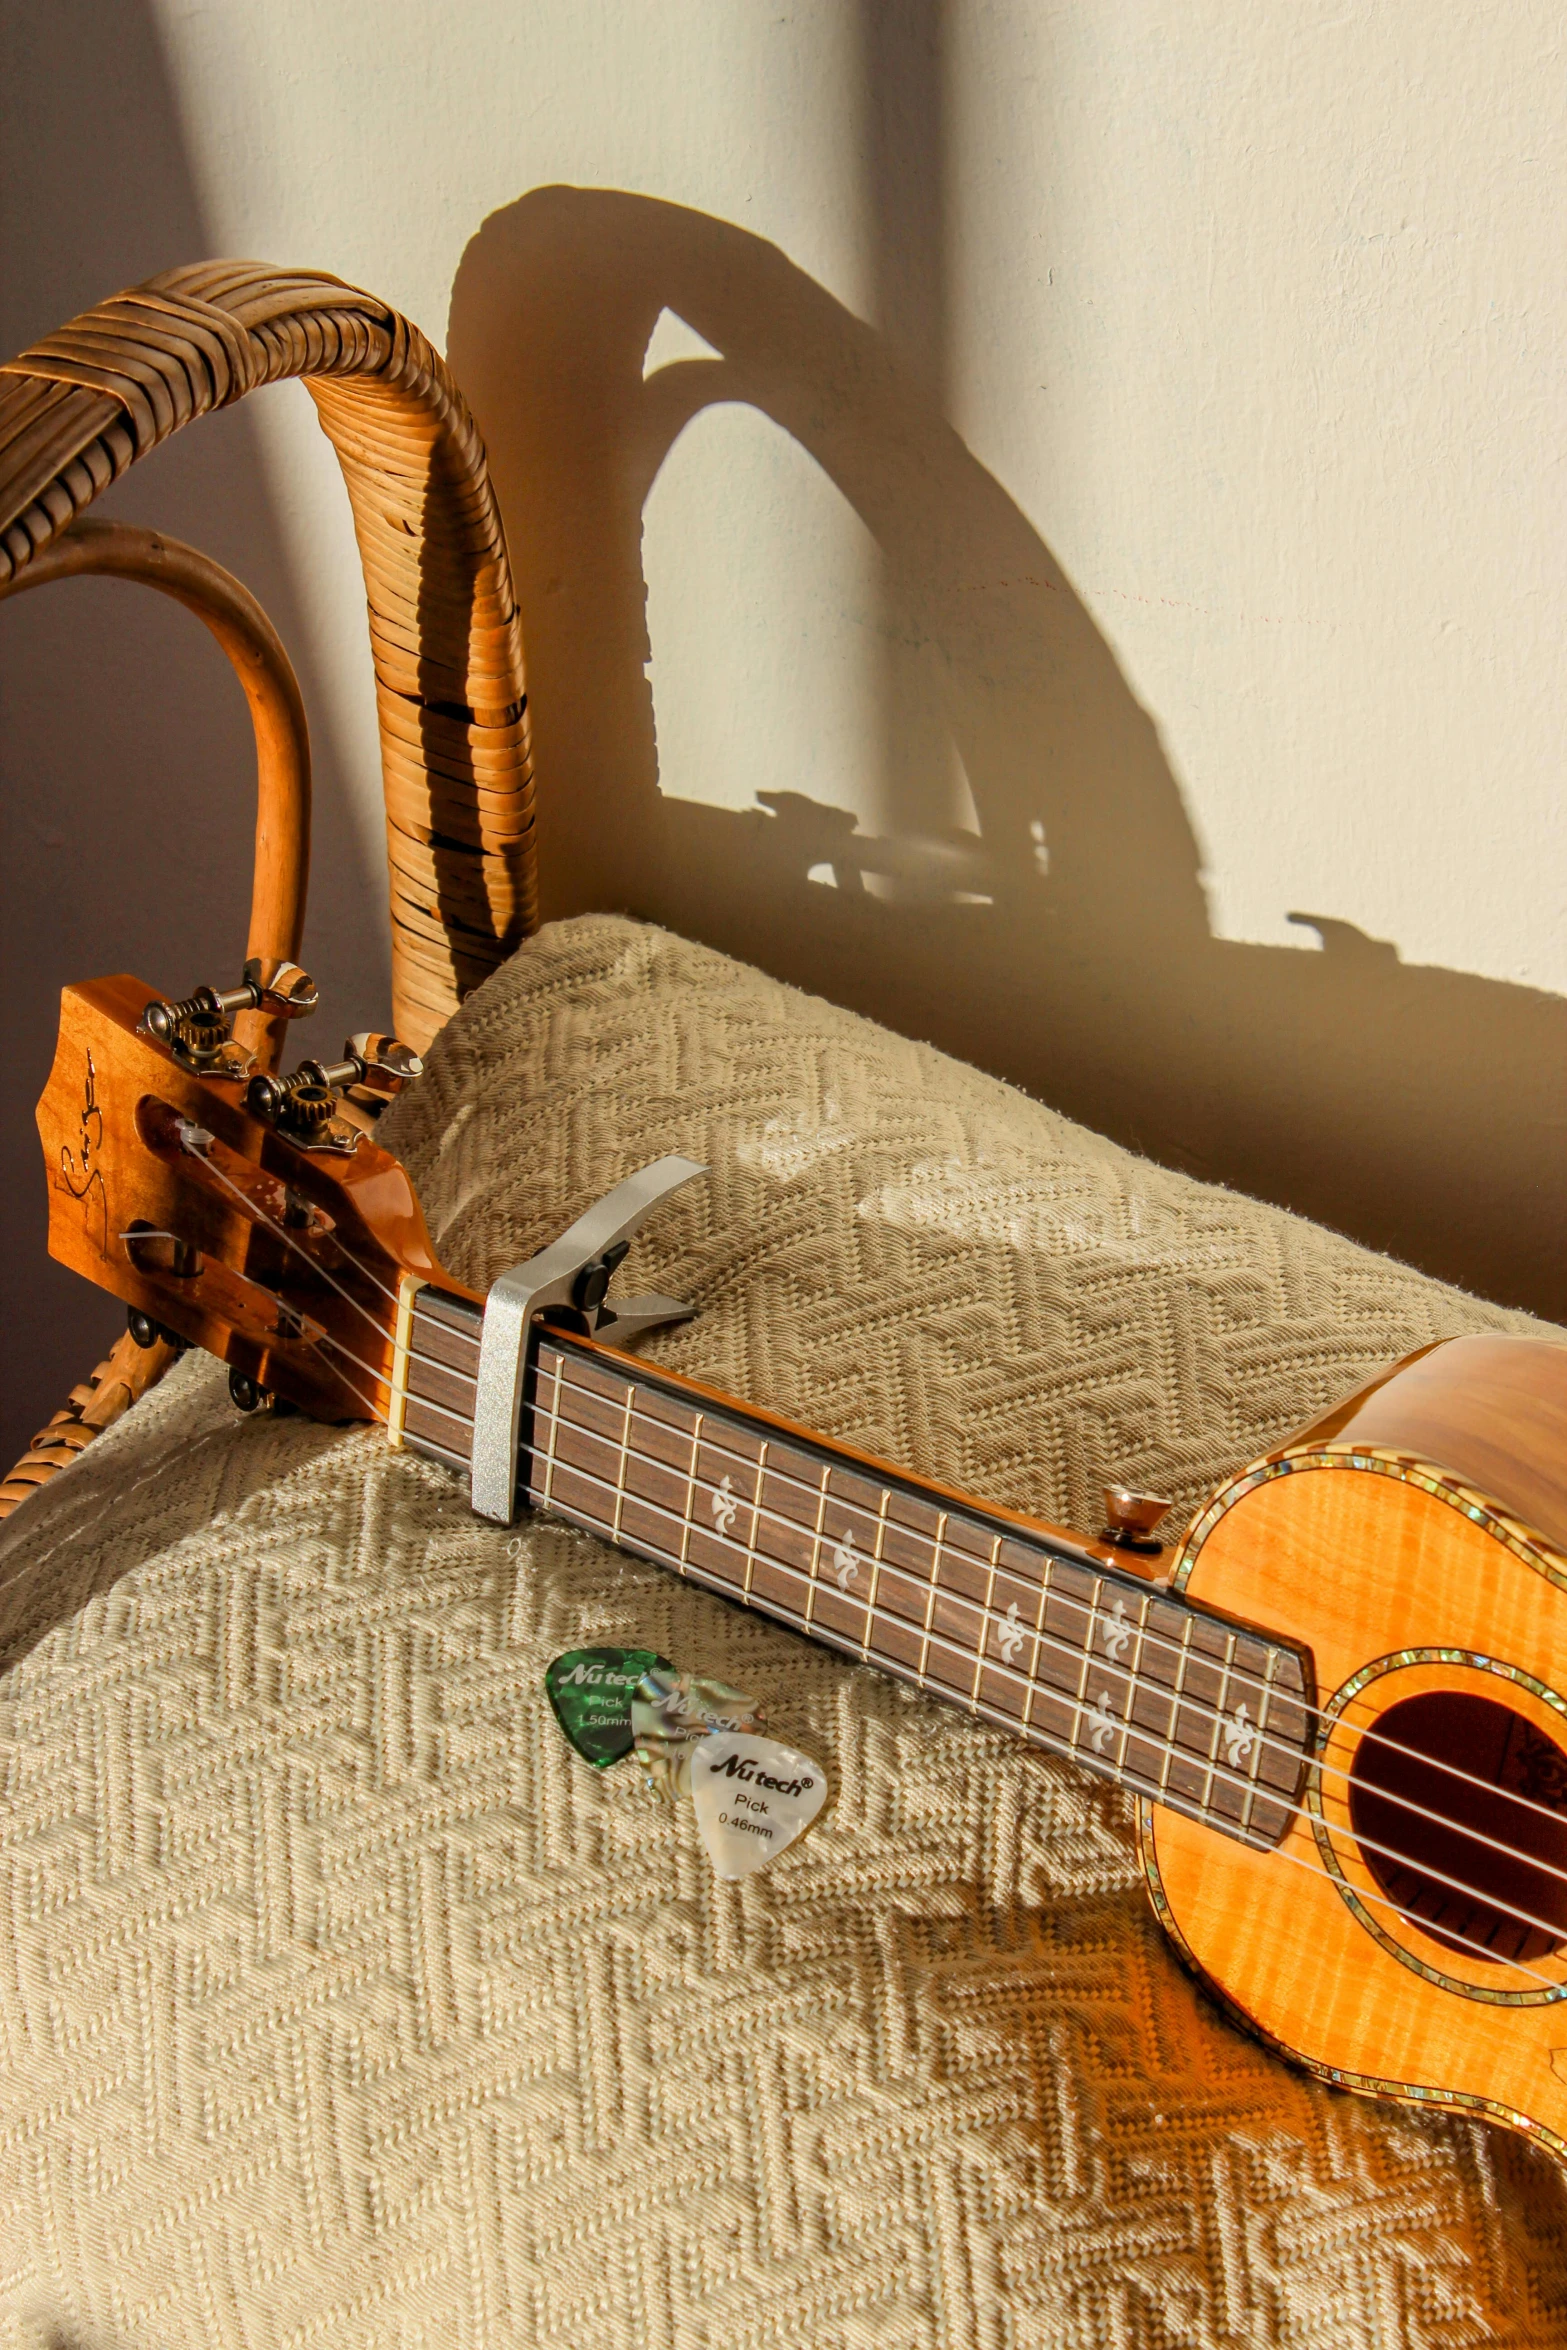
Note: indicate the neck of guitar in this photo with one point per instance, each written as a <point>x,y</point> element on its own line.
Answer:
<point>1016,1622</point>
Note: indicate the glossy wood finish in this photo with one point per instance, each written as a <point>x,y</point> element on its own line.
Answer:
<point>1022,1624</point>
<point>449,1369</point>
<point>1492,1412</point>
<point>1399,1579</point>
<point>1025,1632</point>
<point>300,1253</point>
<point>117,550</point>
<point>93,398</point>
<point>1369,1564</point>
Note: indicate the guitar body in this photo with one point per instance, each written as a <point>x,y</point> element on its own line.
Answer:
<point>1351,1710</point>
<point>1416,1541</point>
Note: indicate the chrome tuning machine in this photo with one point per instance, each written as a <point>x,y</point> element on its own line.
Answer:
<point>330,1105</point>
<point>199,1031</point>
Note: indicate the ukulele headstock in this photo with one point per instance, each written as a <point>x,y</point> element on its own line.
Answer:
<point>231,1209</point>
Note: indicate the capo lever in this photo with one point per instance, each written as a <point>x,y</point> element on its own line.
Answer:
<point>574,1272</point>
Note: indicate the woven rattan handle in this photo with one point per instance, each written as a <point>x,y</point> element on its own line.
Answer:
<point>80,407</point>
<point>119,550</point>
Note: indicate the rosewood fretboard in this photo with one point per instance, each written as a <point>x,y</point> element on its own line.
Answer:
<point>1025,1630</point>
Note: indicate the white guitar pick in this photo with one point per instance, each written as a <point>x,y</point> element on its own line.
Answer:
<point>753,1797</point>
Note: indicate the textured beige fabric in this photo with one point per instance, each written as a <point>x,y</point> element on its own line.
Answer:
<point>339,2003</point>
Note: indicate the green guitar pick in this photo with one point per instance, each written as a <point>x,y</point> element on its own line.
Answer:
<point>590,1690</point>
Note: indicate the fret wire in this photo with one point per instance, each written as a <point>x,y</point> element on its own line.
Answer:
<point>990,1593</point>
<point>657,1509</point>
<point>1249,1806</point>
<point>816,1543</point>
<point>783,1476</point>
<point>1069,1749</point>
<point>1177,1695</point>
<point>1184,1808</point>
<point>756,1522</point>
<point>1088,1658</point>
<point>1039,1636</point>
<point>931,1592</point>
<point>1134,1674</point>
<point>876,1550</point>
<point>625,1460</point>
<point>1049,1740</point>
<point>740,1460</point>
<point>1220,1713</point>
<point>685,1531</point>
<point>555,1415</point>
<point>1247,1785</point>
<point>1046,1559</point>
<point>1272,1657</point>
<point>1292,1809</point>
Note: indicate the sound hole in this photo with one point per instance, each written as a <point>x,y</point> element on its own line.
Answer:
<point>1516,1767</point>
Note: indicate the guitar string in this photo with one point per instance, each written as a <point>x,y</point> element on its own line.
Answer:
<point>281,1233</point>
<point>1247,1677</point>
<point>1201,1709</point>
<point>1212,1767</point>
<point>1231,1777</point>
<point>1149,1639</point>
<point>1096,1763</point>
<point>1241,1674</point>
<point>381,1418</point>
<point>1152,1639</point>
<point>1256,1731</point>
<point>185,1129</point>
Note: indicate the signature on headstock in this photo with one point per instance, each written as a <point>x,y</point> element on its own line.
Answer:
<point>246,1213</point>
<point>80,1172</point>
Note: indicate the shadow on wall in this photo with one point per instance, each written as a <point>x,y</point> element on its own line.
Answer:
<point>128,769</point>
<point>1420,1110</point>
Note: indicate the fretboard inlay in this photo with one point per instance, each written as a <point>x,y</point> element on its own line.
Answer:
<point>1078,1658</point>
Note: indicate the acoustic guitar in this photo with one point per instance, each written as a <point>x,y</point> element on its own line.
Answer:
<point>1340,1702</point>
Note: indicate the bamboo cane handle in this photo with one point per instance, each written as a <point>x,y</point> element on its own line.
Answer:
<point>125,1373</point>
<point>81,406</point>
<point>118,550</point>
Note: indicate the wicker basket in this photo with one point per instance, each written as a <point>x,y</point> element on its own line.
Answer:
<point>80,407</point>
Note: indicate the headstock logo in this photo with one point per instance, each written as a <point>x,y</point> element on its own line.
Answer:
<point>80,1172</point>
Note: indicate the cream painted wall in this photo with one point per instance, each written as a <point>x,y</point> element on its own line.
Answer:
<point>1127,515</point>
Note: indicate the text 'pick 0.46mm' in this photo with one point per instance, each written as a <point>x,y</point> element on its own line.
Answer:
<point>752,1799</point>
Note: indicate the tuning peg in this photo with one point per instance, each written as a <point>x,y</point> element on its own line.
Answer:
<point>305,1105</point>
<point>273,986</point>
<point>1130,1518</point>
<point>377,1061</point>
<point>198,1030</point>
<point>384,1065</point>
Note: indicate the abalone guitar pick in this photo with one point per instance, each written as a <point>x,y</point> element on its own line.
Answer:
<point>670,1711</point>
<point>752,1797</point>
<point>590,1690</point>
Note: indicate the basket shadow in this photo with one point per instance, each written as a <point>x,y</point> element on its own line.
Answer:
<point>1417,1109</point>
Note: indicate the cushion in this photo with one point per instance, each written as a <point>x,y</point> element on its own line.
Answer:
<point>340,2002</point>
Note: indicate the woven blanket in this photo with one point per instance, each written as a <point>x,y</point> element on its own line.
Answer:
<point>340,2003</point>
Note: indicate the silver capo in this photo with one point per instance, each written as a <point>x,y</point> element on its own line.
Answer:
<point>575,1272</point>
